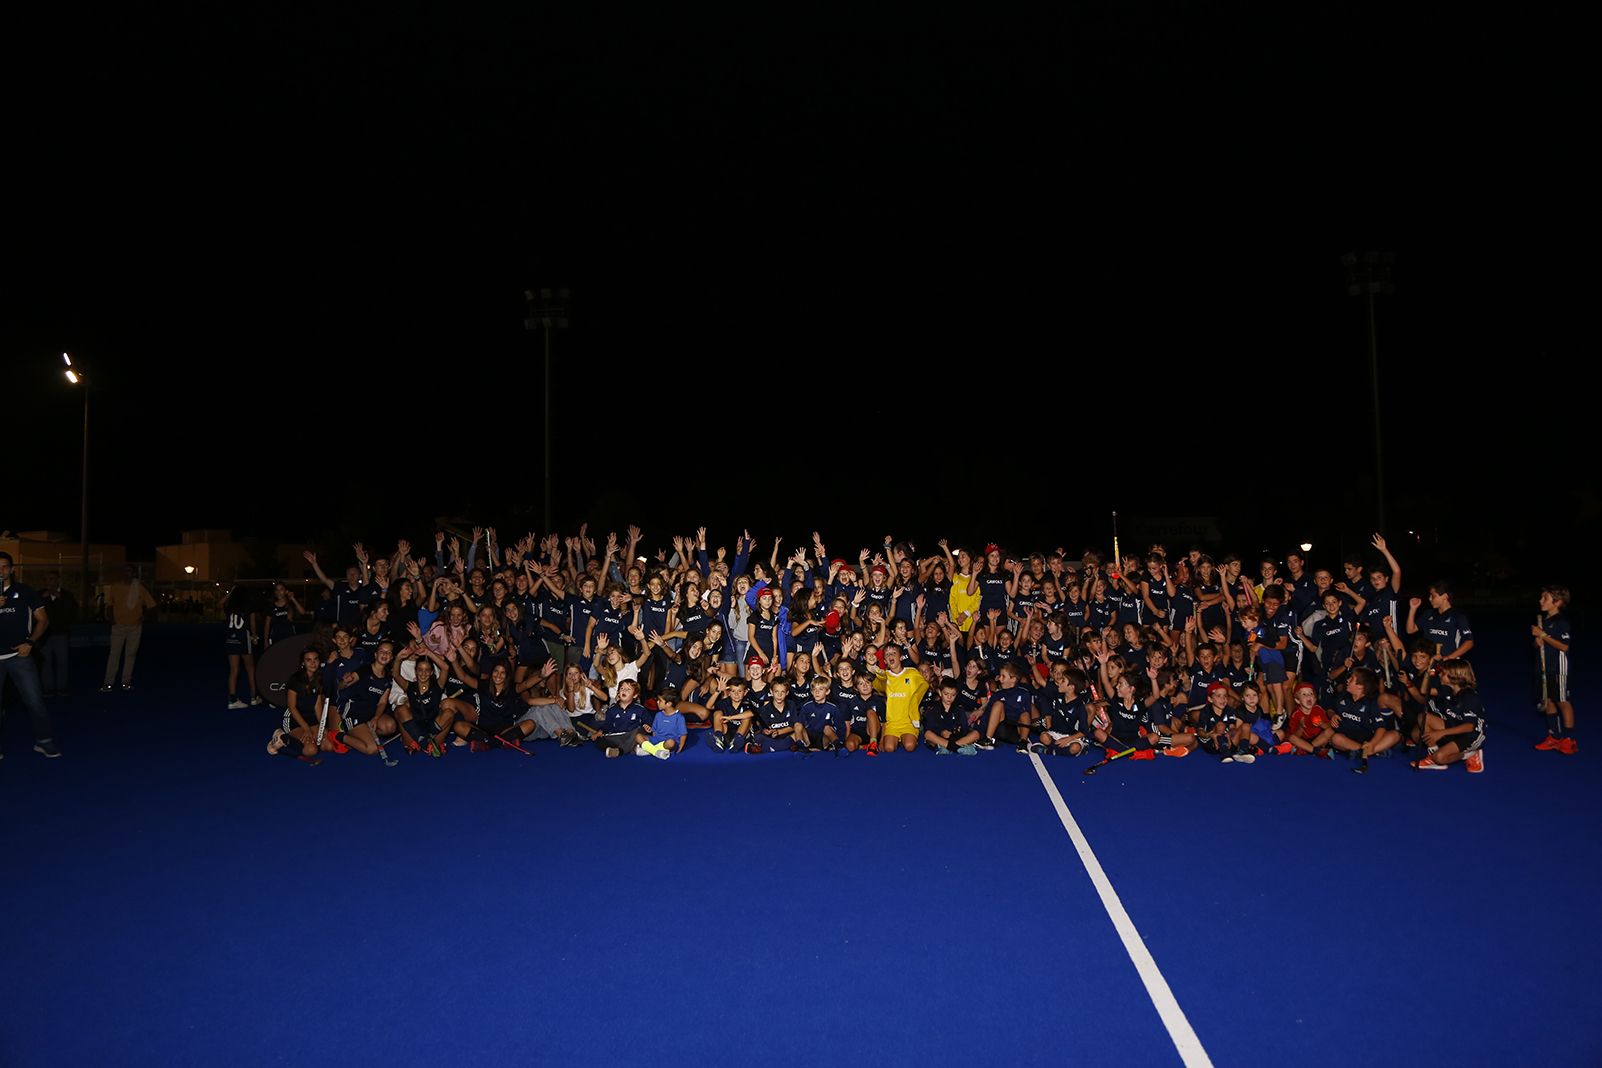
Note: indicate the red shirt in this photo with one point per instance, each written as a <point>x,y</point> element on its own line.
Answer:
<point>1309,724</point>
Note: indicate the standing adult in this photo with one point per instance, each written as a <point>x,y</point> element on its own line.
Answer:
<point>23,621</point>
<point>128,601</point>
<point>62,608</point>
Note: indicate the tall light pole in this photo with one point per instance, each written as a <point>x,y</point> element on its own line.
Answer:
<point>1368,276</point>
<point>76,377</point>
<point>547,308</point>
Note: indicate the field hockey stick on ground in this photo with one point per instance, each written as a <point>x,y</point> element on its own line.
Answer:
<point>322,721</point>
<point>1108,759</point>
<point>498,738</point>
<point>383,753</point>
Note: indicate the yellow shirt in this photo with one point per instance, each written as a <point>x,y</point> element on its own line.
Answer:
<point>963,604</point>
<point>122,612</point>
<point>902,693</point>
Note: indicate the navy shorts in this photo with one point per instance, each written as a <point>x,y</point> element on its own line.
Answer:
<point>1356,733</point>
<point>1466,743</point>
<point>1274,670</point>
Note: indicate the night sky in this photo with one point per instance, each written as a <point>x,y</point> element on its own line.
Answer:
<point>955,275</point>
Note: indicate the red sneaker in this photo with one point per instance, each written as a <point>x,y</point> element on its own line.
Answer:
<point>872,749</point>
<point>339,746</point>
<point>1475,762</point>
<point>1550,742</point>
<point>1426,764</point>
<point>1568,746</point>
<point>476,746</point>
<point>1283,748</point>
<point>1177,751</point>
<point>1143,754</point>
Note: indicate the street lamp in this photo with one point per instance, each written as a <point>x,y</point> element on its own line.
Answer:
<point>1367,276</point>
<point>1307,547</point>
<point>76,377</point>
<point>547,308</point>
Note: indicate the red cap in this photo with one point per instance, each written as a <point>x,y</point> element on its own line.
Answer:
<point>831,623</point>
<point>1300,686</point>
<point>767,590</point>
<point>880,569</point>
<point>1213,687</point>
<point>992,548</point>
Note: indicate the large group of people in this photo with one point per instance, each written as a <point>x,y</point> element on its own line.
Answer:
<point>1159,654</point>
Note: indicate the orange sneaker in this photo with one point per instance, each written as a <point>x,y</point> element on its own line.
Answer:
<point>1283,748</point>
<point>1144,754</point>
<point>1426,764</point>
<point>1177,751</point>
<point>1475,762</point>
<point>1568,746</point>
<point>1549,742</point>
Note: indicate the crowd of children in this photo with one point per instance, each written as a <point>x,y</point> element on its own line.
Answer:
<point>958,653</point>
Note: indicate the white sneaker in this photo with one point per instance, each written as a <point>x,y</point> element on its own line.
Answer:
<point>662,751</point>
<point>645,749</point>
<point>237,703</point>
<point>256,700</point>
<point>459,742</point>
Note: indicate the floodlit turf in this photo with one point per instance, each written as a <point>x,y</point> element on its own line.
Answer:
<point>174,896</point>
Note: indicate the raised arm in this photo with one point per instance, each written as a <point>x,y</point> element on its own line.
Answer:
<point>311,558</point>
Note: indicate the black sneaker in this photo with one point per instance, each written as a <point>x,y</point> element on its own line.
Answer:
<point>1362,767</point>
<point>46,748</point>
<point>986,744</point>
<point>1036,747</point>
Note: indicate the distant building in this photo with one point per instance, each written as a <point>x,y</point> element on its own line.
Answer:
<point>39,551</point>
<point>202,556</point>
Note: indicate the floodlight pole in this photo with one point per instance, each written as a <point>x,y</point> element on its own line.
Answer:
<point>1367,277</point>
<point>547,308</point>
<point>546,527</point>
<point>76,377</point>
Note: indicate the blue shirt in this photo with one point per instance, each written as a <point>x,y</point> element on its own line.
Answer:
<point>939,718</point>
<point>666,726</point>
<point>907,605</point>
<point>497,711</point>
<point>773,716</point>
<point>654,615</point>
<point>348,602</point>
<point>624,719</point>
<point>992,592</point>
<point>17,606</point>
<point>1367,715</point>
<point>1448,629</point>
<point>818,716</point>
<point>1015,702</point>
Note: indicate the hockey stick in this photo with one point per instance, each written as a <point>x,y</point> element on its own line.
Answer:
<point>1117,561</point>
<point>322,721</point>
<point>1540,644</point>
<point>496,737</point>
<point>1108,759</point>
<point>383,753</point>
